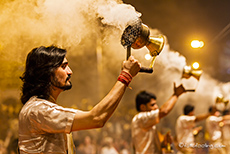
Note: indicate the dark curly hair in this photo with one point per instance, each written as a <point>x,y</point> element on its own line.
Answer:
<point>40,65</point>
<point>144,97</point>
<point>188,108</point>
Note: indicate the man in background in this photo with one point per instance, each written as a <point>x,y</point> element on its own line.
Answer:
<point>144,134</point>
<point>226,130</point>
<point>213,128</point>
<point>185,129</point>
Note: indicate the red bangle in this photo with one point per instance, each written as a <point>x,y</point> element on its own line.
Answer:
<point>125,78</point>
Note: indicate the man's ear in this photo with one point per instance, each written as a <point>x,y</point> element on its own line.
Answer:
<point>143,107</point>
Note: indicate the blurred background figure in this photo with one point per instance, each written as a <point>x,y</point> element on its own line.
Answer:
<point>88,146</point>
<point>226,130</point>
<point>124,148</point>
<point>9,109</point>
<point>213,128</point>
<point>2,147</point>
<point>108,147</point>
<point>186,130</point>
<point>167,144</point>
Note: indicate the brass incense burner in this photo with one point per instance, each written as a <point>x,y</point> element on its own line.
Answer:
<point>220,99</point>
<point>189,72</point>
<point>136,36</point>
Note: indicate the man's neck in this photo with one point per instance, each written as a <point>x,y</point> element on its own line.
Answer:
<point>52,99</point>
<point>54,94</point>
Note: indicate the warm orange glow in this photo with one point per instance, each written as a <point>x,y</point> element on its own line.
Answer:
<point>195,65</point>
<point>197,44</point>
<point>148,57</point>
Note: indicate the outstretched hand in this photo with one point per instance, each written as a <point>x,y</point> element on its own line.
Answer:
<point>168,139</point>
<point>196,130</point>
<point>178,90</point>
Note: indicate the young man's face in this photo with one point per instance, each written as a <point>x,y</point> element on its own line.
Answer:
<point>152,105</point>
<point>62,76</point>
<point>192,113</point>
<point>217,113</point>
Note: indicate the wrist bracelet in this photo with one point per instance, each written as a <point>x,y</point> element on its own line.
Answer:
<point>125,78</point>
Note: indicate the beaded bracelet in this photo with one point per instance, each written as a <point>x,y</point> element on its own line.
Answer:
<point>125,78</point>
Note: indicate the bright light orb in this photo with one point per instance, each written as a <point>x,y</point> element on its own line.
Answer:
<point>197,44</point>
<point>201,44</point>
<point>148,56</point>
<point>195,65</point>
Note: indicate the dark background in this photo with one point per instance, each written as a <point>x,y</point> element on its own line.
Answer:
<point>185,20</point>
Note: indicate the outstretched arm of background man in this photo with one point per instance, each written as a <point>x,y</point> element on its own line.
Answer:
<point>169,104</point>
<point>202,116</point>
<point>98,116</point>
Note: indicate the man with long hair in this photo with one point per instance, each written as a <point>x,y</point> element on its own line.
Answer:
<point>44,125</point>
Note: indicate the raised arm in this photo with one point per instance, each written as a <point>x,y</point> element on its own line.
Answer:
<point>169,104</point>
<point>202,116</point>
<point>98,116</point>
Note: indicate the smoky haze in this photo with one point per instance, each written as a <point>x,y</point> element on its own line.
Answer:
<point>91,31</point>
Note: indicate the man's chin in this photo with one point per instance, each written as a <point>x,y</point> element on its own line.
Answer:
<point>65,87</point>
<point>68,87</point>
